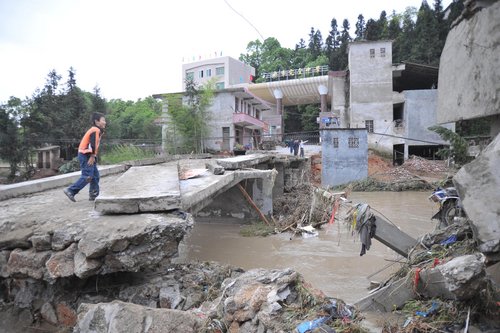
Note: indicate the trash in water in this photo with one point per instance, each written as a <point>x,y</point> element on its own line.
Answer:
<point>308,231</point>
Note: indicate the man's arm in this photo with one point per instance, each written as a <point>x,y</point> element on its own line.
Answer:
<point>92,144</point>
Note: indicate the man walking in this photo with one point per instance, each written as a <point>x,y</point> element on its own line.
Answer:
<point>301,145</point>
<point>87,156</point>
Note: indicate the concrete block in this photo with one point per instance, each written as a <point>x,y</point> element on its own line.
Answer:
<point>215,168</point>
<point>245,161</point>
<point>391,236</point>
<point>142,189</point>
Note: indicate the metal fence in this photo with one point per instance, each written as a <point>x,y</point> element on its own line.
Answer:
<point>69,147</point>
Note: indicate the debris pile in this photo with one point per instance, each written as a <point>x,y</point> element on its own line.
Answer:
<point>416,173</point>
<point>413,169</point>
<point>227,300</point>
<point>443,286</point>
<point>418,165</point>
<point>305,205</point>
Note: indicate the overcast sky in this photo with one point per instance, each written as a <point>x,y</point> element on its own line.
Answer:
<point>133,49</point>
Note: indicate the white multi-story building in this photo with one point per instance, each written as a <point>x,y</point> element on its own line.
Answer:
<point>227,72</point>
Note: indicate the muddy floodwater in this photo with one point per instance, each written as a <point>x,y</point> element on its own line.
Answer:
<point>330,261</point>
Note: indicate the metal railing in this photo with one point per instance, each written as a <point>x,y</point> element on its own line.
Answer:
<point>295,73</point>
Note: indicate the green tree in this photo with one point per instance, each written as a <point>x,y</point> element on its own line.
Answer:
<point>315,44</point>
<point>458,145</point>
<point>332,46</point>
<point>360,27</point>
<point>427,46</point>
<point>394,26</point>
<point>11,148</point>
<point>74,115</point>
<point>130,120</point>
<point>456,8</point>
<point>253,57</point>
<point>271,56</point>
<point>116,122</point>
<point>299,55</point>
<point>275,57</point>
<point>98,102</point>
<point>309,113</point>
<point>372,32</point>
<point>344,40</point>
<point>405,40</point>
<point>40,122</point>
<point>383,25</point>
<point>395,32</point>
<point>190,114</point>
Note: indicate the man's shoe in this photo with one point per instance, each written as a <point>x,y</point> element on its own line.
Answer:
<point>92,198</point>
<point>69,195</point>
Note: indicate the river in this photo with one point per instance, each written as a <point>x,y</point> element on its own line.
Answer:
<point>330,261</point>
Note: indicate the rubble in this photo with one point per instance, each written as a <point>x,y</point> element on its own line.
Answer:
<point>119,316</point>
<point>447,269</point>
<point>254,301</point>
<point>414,174</point>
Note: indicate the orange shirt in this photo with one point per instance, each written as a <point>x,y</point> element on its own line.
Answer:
<point>90,141</point>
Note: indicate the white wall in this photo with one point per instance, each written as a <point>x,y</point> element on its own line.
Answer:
<point>371,91</point>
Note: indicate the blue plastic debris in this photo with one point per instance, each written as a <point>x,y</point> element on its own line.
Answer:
<point>310,325</point>
<point>450,240</point>
<point>434,308</point>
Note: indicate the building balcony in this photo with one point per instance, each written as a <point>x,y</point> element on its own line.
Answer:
<point>247,121</point>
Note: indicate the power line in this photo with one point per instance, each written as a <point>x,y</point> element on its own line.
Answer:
<point>406,138</point>
<point>234,10</point>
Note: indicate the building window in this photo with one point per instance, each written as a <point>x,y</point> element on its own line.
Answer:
<point>398,114</point>
<point>382,51</point>
<point>200,74</point>
<point>369,125</point>
<point>190,75</point>
<point>219,85</point>
<point>335,142</point>
<point>209,72</point>
<point>353,142</point>
<point>219,71</point>
<point>236,104</point>
<point>372,53</point>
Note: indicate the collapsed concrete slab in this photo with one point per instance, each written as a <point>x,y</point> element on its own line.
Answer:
<point>199,192</point>
<point>459,279</point>
<point>243,161</point>
<point>478,185</point>
<point>393,237</point>
<point>142,189</point>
